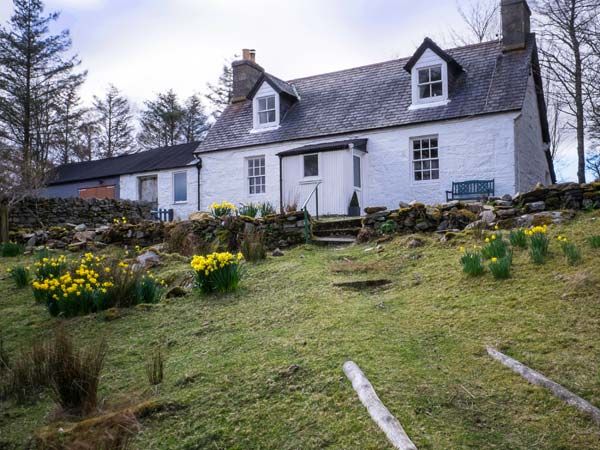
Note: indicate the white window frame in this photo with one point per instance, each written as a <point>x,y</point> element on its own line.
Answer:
<point>256,112</point>
<point>430,82</point>
<point>413,171</point>
<point>417,101</point>
<point>179,172</point>
<point>264,175</point>
<point>312,177</point>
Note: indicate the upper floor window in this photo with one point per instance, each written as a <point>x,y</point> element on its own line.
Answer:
<point>430,82</point>
<point>311,165</point>
<point>180,187</point>
<point>426,162</point>
<point>267,113</point>
<point>256,175</point>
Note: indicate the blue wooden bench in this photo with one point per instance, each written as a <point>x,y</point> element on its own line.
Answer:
<point>470,190</point>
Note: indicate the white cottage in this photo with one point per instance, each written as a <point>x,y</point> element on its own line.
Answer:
<point>401,130</point>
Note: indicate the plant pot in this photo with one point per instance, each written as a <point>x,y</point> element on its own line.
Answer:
<point>354,211</point>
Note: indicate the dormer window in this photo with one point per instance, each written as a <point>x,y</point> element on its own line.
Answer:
<point>433,72</point>
<point>267,114</point>
<point>430,82</point>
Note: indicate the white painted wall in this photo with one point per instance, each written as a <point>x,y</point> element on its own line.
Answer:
<point>532,166</point>
<point>129,190</point>
<point>476,148</point>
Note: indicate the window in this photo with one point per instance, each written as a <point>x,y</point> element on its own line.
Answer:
<point>180,187</point>
<point>356,160</point>
<point>426,161</point>
<point>311,165</point>
<point>430,82</point>
<point>266,110</point>
<point>256,175</point>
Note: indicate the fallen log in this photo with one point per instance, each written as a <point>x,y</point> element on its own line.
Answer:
<point>379,413</point>
<point>540,380</point>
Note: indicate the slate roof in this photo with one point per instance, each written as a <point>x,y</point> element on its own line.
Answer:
<point>360,144</point>
<point>162,158</point>
<point>378,96</point>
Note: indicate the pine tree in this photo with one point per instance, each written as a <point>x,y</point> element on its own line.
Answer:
<point>220,93</point>
<point>160,121</point>
<point>88,134</point>
<point>33,72</point>
<point>113,123</point>
<point>194,123</point>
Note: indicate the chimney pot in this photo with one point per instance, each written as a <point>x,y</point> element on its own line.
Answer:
<point>516,24</point>
<point>249,54</point>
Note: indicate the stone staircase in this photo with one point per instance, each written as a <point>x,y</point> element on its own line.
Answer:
<point>336,230</point>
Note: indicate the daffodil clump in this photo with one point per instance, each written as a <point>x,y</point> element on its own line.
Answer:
<point>20,275</point>
<point>223,209</point>
<point>538,243</point>
<point>90,286</point>
<point>472,261</point>
<point>570,250</point>
<point>496,246</point>
<point>120,220</point>
<point>500,267</point>
<point>217,272</point>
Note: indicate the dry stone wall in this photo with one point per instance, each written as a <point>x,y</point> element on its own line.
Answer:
<point>42,213</point>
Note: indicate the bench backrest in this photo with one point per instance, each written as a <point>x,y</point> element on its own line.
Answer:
<point>472,188</point>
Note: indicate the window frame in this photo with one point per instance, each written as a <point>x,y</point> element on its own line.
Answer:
<point>430,83</point>
<point>311,177</point>
<point>173,177</point>
<point>428,102</point>
<point>256,111</point>
<point>254,176</point>
<point>429,159</point>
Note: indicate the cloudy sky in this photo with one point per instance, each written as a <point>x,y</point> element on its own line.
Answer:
<point>148,46</point>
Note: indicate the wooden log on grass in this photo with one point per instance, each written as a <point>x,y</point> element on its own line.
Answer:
<point>540,380</point>
<point>379,413</point>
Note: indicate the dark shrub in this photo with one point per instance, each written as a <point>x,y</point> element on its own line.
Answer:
<point>10,250</point>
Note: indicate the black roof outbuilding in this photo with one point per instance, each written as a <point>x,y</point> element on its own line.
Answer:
<point>162,158</point>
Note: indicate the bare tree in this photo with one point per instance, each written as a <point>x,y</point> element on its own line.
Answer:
<point>568,30</point>
<point>482,21</point>
<point>592,162</point>
<point>112,123</point>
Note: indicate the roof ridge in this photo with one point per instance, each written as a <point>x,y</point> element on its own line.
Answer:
<point>478,44</point>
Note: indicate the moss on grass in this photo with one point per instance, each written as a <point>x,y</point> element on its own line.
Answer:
<point>420,341</point>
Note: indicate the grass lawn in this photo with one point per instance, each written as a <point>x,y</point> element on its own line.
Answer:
<point>420,340</point>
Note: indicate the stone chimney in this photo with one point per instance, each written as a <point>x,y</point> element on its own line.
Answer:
<point>245,75</point>
<point>516,24</point>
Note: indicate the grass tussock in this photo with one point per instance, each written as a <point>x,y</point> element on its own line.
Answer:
<point>155,367</point>
<point>71,375</point>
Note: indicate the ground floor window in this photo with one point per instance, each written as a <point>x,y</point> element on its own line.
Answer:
<point>257,175</point>
<point>180,187</point>
<point>356,165</point>
<point>311,165</point>
<point>426,163</point>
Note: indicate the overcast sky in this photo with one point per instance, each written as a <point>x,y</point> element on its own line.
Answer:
<point>148,46</point>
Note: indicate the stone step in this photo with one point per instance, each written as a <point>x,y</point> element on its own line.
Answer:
<point>337,232</point>
<point>334,240</point>
<point>341,223</point>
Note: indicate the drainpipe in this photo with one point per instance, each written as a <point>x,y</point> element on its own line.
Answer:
<point>198,168</point>
<point>280,185</point>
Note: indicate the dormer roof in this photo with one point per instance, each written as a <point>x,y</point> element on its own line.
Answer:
<point>428,43</point>
<point>280,86</point>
